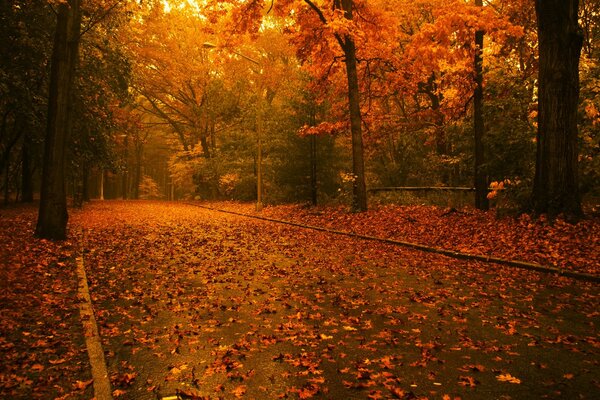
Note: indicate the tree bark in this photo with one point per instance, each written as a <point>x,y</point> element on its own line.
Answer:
<point>313,170</point>
<point>556,186</point>
<point>125,182</point>
<point>138,171</point>
<point>101,188</point>
<point>86,182</point>
<point>52,218</point>
<point>26,172</point>
<point>480,181</point>
<point>359,189</point>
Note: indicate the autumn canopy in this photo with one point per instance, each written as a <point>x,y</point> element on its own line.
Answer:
<point>299,100</point>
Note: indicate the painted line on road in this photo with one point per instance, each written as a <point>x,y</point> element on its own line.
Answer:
<point>102,390</point>
<point>450,253</point>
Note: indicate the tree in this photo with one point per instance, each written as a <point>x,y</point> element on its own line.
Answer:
<point>556,185</point>
<point>25,29</point>
<point>481,185</point>
<point>52,219</point>
<point>348,46</point>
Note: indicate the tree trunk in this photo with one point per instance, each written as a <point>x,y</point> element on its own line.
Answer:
<point>480,181</point>
<point>86,182</point>
<point>6,184</point>
<point>52,218</point>
<point>359,189</point>
<point>26,172</point>
<point>138,173</point>
<point>313,170</point>
<point>556,188</point>
<point>101,184</point>
<point>346,42</point>
<point>77,182</point>
<point>259,155</point>
<point>125,182</point>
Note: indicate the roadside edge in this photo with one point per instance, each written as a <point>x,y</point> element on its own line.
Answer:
<point>102,389</point>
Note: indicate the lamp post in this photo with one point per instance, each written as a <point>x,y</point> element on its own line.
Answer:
<point>259,127</point>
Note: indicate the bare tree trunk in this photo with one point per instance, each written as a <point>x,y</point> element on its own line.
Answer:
<point>86,182</point>
<point>556,186</point>
<point>346,42</point>
<point>6,184</point>
<point>101,184</point>
<point>52,218</point>
<point>26,172</point>
<point>125,182</point>
<point>480,181</point>
<point>138,172</point>
<point>359,189</point>
<point>313,170</point>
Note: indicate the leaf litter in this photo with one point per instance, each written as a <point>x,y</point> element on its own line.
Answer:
<point>212,305</point>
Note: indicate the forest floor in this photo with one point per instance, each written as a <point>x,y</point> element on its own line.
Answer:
<point>205,304</point>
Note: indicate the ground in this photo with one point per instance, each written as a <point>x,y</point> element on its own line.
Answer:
<point>206,304</point>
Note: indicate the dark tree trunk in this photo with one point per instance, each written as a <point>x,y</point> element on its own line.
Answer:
<point>480,181</point>
<point>359,189</point>
<point>441,144</point>
<point>26,172</point>
<point>77,183</point>
<point>138,173</point>
<point>52,219</point>
<point>86,182</point>
<point>556,187</point>
<point>205,146</point>
<point>125,182</point>
<point>313,170</point>
<point>7,184</point>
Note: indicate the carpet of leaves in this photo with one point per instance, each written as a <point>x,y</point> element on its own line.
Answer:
<point>211,305</point>
<point>42,350</point>
<point>568,246</point>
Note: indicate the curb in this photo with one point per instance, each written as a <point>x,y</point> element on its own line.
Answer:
<point>102,390</point>
<point>450,253</point>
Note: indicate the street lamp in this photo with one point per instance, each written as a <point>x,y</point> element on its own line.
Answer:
<point>259,127</point>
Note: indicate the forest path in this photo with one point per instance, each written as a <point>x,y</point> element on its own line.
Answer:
<point>201,303</point>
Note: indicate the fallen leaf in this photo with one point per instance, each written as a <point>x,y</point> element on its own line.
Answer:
<point>508,378</point>
<point>82,385</point>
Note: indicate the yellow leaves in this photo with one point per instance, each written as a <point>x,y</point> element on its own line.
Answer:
<point>467,381</point>
<point>239,391</point>
<point>592,113</point>
<point>319,380</point>
<point>178,370</point>
<point>387,362</point>
<point>591,110</point>
<point>508,378</point>
<point>499,186</point>
<point>82,385</point>
<point>324,128</point>
<point>447,397</point>
<point>533,115</point>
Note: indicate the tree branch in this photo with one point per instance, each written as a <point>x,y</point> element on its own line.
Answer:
<point>324,21</point>
<point>93,22</point>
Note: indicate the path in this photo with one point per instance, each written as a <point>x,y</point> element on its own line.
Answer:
<point>208,304</point>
